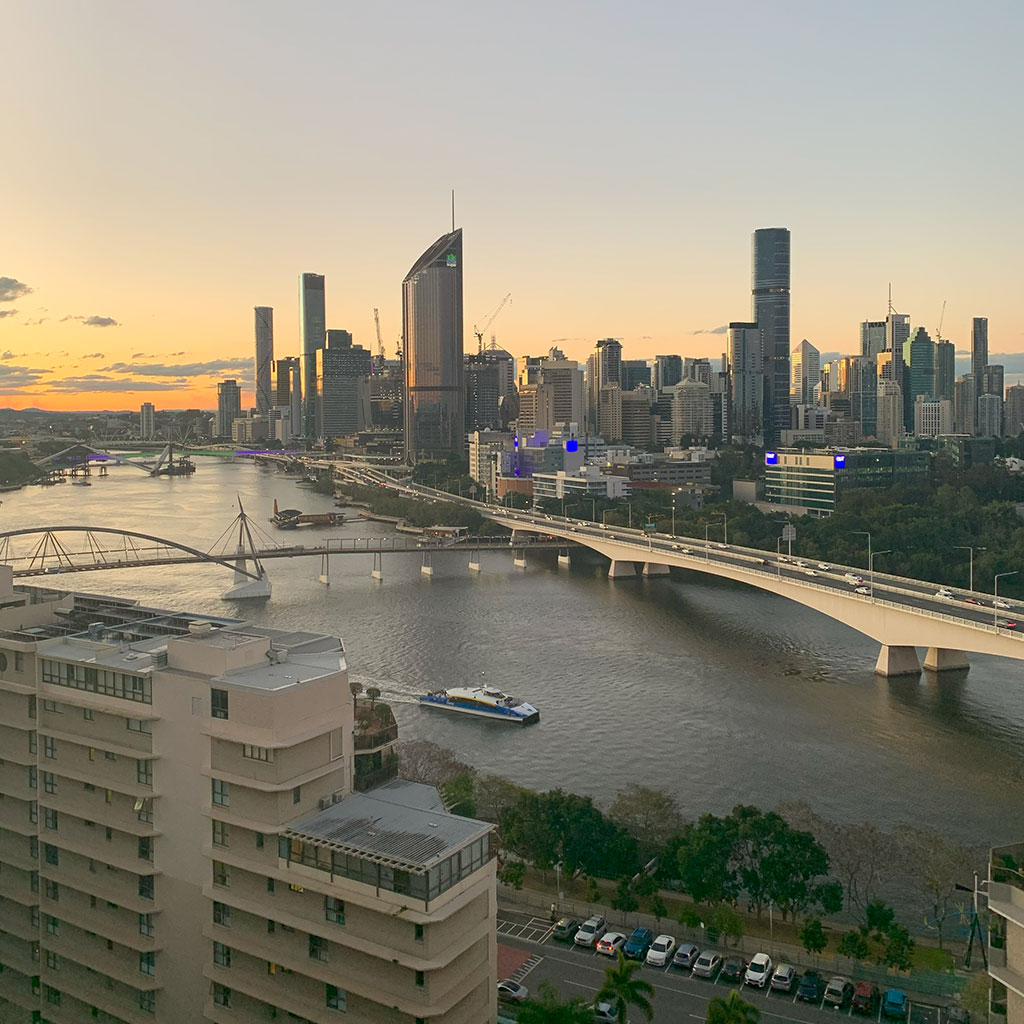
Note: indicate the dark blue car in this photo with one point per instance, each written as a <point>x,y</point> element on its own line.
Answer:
<point>638,943</point>
<point>894,1004</point>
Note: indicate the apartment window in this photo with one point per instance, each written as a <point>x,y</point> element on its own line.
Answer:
<point>33,742</point>
<point>52,705</point>
<point>221,954</point>
<point>33,811</point>
<point>53,995</point>
<point>318,948</point>
<point>33,847</point>
<point>418,932</point>
<point>32,777</point>
<point>419,978</point>
<point>221,995</point>
<point>34,915</point>
<point>31,707</point>
<point>108,796</point>
<point>33,881</point>
<point>50,818</point>
<point>51,854</point>
<point>110,755</point>
<point>52,960</point>
<point>147,1001</point>
<point>139,725</point>
<point>92,901</point>
<point>92,753</point>
<point>144,771</point>
<point>49,783</point>
<point>259,840</point>
<point>49,746</point>
<point>221,833</point>
<point>295,887</point>
<point>146,887</point>
<point>221,873</point>
<point>270,926</point>
<point>145,848</point>
<point>109,833</point>
<point>270,884</point>
<point>88,787</point>
<point>296,794</point>
<point>144,809</point>
<point>222,914</point>
<point>19,661</point>
<point>87,714</point>
<point>52,925</point>
<point>146,924</point>
<point>219,703</point>
<point>147,962</point>
<point>52,890</point>
<point>334,909</point>
<point>221,792</point>
<point>337,998</point>
<point>255,753</point>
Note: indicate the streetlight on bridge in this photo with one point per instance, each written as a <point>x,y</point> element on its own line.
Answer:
<point>967,547</point>
<point>865,533</point>
<point>674,494</point>
<point>995,601</point>
<point>871,567</point>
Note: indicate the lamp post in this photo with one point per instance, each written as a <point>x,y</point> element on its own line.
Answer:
<point>674,495</point>
<point>995,601</point>
<point>707,543</point>
<point>593,509</point>
<point>778,557</point>
<point>629,508</point>
<point>865,533</point>
<point>871,568</point>
<point>967,547</point>
<point>604,512</point>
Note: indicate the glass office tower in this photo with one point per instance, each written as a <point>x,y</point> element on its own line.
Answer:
<point>435,396</point>
<point>314,333</point>
<point>770,311</point>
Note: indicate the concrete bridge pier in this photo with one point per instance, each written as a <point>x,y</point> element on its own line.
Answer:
<point>563,560</point>
<point>621,570</point>
<point>897,661</point>
<point>377,573</point>
<point>474,562</point>
<point>245,587</point>
<point>655,569</point>
<point>426,569</point>
<point>519,558</point>
<point>939,659</point>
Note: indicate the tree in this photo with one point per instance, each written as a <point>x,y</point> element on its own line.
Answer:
<point>706,860</point>
<point>549,1008</point>
<point>624,899</point>
<point>812,936</point>
<point>457,794</point>
<point>725,921</point>
<point>356,688</point>
<point>426,762</point>
<point>623,990</point>
<point>899,949</point>
<point>854,945</point>
<point>658,908</point>
<point>879,919</point>
<point>732,1010</point>
<point>512,873</point>
<point>373,692</point>
<point>650,816</point>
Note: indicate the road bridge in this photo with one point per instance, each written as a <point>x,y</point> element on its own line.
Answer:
<point>900,613</point>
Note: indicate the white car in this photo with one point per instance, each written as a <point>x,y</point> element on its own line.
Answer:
<point>851,576</point>
<point>944,595</point>
<point>824,566</point>
<point>590,931</point>
<point>661,951</point>
<point>999,603</point>
<point>610,943</point>
<point>810,572</point>
<point>510,991</point>
<point>759,971</point>
<point>863,590</point>
<point>801,565</point>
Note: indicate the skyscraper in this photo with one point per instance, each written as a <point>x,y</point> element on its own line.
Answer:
<point>1013,410</point>
<point>668,370</point>
<point>872,337</point>
<point>343,377</point>
<point>313,319</point>
<point>979,346</point>
<point>945,369</point>
<point>770,311</point>
<point>566,377</point>
<point>918,373</point>
<point>264,357</point>
<point>746,370</point>
<point>435,419</point>
<point>897,331</point>
<point>634,373</point>
<point>229,406</point>
<point>604,367</point>
<point>146,425</point>
<point>806,373</point>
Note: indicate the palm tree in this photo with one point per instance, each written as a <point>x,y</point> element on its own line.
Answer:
<point>548,1008</point>
<point>622,990</point>
<point>373,692</point>
<point>356,688</point>
<point>734,1010</point>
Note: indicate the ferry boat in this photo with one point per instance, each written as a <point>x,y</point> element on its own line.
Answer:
<point>485,701</point>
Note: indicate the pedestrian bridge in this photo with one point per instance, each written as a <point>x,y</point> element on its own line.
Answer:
<point>900,614</point>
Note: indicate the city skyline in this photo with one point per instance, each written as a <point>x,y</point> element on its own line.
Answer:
<point>145,232</point>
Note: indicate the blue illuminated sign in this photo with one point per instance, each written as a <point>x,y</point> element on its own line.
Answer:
<point>771,459</point>
<point>516,442</point>
<point>572,446</point>
<point>839,462</point>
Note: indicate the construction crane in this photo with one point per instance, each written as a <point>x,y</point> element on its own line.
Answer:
<point>380,344</point>
<point>490,320</point>
<point>942,316</point>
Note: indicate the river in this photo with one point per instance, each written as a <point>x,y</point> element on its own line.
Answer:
<point>716,692</point>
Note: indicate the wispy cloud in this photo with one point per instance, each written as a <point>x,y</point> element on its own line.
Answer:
<point>7,312</point>
<point>11,289</point>
<point>98,382</point>
<point>724,329</point>
<point>95,355</point>
<point>92,321</point>
<point>36,323</point>
<point>14,378</point>
<point>237,364</point>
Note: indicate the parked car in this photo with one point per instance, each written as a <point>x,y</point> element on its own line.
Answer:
<point>510,991</point>
<point>839,992</point>
<point>565,928</point>
<point>809,989</point>
<point>784,978</point>
<point>605,1013</point>
<point>638,943</point>
<point>759,971</point>
<point>661,951</point>
<point>733,968</point>
<point>708,964</point>
<point>865,998</point>
<point>610,943</point>
<point>686,956</point>
<point>894,1004</point>
<point>590,931</point>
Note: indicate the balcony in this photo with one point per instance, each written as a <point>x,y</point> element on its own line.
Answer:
<point>376,739</point>
<point>367,778</point>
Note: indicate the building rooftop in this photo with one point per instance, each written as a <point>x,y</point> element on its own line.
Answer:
<point>401,824</point>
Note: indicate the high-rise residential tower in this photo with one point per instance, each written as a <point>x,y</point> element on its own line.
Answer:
<point>945,369</point>
<point>147,428</point>
<point>979,346</point>
<point>897,331</point>
<point>604,368</point>
<point>435,398</point>
<point>918,373</point>
<point>264,357</point>
<point>806,373</point>
<point>770,311</point>
<point>313,318</point>
<point>746,373</point>
<point>229,406</point>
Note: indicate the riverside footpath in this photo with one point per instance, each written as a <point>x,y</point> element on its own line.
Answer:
<point>934,986</point>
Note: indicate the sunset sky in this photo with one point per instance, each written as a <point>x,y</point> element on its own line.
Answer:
<point>167,167</point>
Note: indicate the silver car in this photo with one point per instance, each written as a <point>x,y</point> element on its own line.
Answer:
<point>591,930</point>
<point>707,964</point>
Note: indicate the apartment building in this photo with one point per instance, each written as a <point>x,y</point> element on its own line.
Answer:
<point>180,840</point>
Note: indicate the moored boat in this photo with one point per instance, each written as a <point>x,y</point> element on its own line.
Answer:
<point>483,701</point>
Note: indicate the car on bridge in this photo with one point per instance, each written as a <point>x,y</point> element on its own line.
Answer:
<point>863,590</point>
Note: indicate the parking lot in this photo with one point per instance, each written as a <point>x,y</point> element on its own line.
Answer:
<point>679,996</point>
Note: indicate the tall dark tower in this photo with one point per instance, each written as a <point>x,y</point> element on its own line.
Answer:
<point>313,319</point>
<point>435,399</point>
<point>264,357</point>
<point>770,311</point>
<point>979,346</point>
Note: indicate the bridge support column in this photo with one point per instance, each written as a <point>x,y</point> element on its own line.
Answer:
<point>325,570</point>
<point>426,569</point>
<point>245,587</point>
<point>377,573</point>
<point>655,569</point>
<point>563,560</point>
<point>897,661</point>
<point>621,570</point>
<point>519,559</point>
<point>474,562</point>
<point>939,659</point>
